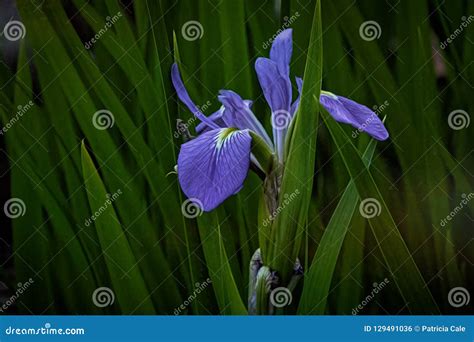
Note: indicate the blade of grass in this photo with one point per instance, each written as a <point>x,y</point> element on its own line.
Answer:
<point>299,169</point>
<point>127,282</point>
<point>396,254</point>
<point>318,278</point>
<point>226,290</point>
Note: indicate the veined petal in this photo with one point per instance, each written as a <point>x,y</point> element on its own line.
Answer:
<point>185,98</point>
<point>277,91</point>
<point>359,116</point>
<point>214,165</point>
<point>238,114</point>
<point>281,51</point>
<point>276,88</point>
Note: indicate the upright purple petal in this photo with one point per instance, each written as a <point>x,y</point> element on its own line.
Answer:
<point>277,91</point>
<point>350,112</point>
<point>214,165</point>
<point>238,114</point>
<point>276,88</point>
<point>185,98</point>
<point>281,51</point>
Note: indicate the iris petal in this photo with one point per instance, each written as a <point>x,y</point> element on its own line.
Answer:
<point>214,165</point>
<point>281,51</point>
<point>238,114</point>
<point>215,117</point>
<point>185,98</point>
<point>350,112</point>
<point>276,88</point>
<point>294,106</point>
<point>277,91</point>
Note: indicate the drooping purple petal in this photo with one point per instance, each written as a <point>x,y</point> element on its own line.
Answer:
<point>294,106</point>
<point>214,165</point>
<point>238,114</point>
<point>186,99</point>
<point>281,51</point>
<point>359,116</point>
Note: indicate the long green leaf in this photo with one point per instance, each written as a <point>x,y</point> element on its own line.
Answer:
<point>127,281</point>
<point>318,278</point>
<point>398,258</point>
<point>299,169</point>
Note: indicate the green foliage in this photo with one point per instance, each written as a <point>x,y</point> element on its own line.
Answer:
<point>79,58</point>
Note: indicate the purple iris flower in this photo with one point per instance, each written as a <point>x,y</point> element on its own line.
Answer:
<point>214,165</point>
